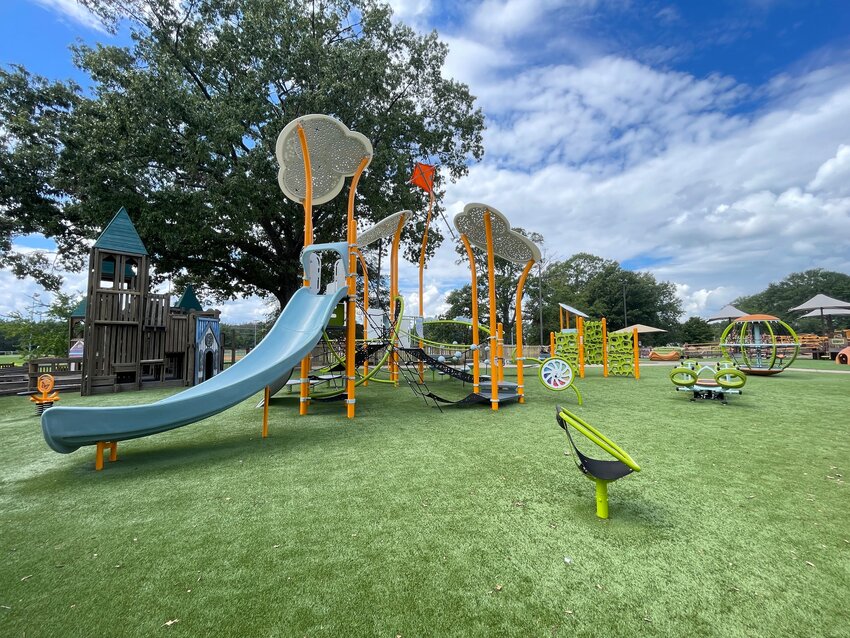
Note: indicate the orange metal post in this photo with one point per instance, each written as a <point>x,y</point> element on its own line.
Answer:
<point>476,351</point>
<point>422,276</point>
<point>351,314</point>
<point>491,285</point>
<point>520,357</point>
<point>266,397</point>
<point>308,240</point>
<point>580,329</point>
<point>101,446</point>
<point>604,347</point>
<point>561,317</point>
<point>551,344</point>
<point>637,353</point>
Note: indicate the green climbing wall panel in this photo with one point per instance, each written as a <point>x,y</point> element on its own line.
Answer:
<point>621,357</point>
<point>566,347</point>
<point>593,342</point>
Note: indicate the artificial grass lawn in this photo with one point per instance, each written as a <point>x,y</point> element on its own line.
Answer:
<point>411,522</point>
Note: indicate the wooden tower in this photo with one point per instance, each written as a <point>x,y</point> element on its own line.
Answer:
<point>117,287</point>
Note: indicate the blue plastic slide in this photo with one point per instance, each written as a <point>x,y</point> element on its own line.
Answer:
<point>292,337</point>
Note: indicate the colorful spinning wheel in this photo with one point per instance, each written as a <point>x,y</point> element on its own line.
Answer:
<point>556,374</point>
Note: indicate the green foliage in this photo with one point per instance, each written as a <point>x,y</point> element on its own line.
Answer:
<point>506,278</point>
<point>796,288</point>
<point>34,114</point>
<point>595,285</point>
<point>42,337</point>
<point>181,127</point>
<point>696,330</point>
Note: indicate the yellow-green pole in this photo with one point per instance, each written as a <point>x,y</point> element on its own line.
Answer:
<point>601,498</point>
<point>365,312</point>
<point>393,295</point>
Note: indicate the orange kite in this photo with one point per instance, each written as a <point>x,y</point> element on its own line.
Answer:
<point>423,176</point>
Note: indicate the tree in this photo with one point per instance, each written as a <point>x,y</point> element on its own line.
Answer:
<point>696,330</point>
<point>796,288</point>
<point>180,129</point>
<point>40,337</point>
<point>596,286</point>
<point>506,279</point>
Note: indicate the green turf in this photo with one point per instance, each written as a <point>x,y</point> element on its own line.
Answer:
<point>11,358</point>
<point>415,523</point>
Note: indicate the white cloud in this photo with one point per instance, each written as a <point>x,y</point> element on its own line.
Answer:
<point>833,176</point>
<point>74,11</point>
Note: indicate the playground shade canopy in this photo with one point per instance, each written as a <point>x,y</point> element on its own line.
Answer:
<point>383,229</point>
<point>293,336</point>
<point>727,313</point>
<point>507,243</point>
<point>641,328</point>
<point>830,312</point>
<point>821,302</point>
<point>335,153</point>
<point>574,311</point>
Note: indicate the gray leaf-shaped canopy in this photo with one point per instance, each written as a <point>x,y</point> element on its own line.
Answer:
<point>384,228</point>
<point>335,153</point>
<point>507,244</point>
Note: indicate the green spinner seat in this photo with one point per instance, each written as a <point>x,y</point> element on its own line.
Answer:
<point>601,471</point>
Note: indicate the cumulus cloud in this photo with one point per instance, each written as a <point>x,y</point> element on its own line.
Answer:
<point>74,11</point>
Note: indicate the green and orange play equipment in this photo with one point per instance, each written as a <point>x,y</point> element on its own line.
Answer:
<point>708,381</point>
<point>590,343</point>
<point>45,397</point>
<point>600,471</point>
<point>760,344</point>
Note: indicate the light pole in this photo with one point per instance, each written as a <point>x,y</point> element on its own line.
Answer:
<point>625,315</point>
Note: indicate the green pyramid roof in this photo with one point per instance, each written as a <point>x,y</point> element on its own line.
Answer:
<point>189,300</point>
<point>79,312</point>
<point>120,235</point>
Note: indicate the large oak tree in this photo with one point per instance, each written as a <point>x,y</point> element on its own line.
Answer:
<point>180,129</point>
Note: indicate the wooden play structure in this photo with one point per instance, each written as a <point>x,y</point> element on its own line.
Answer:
<point>132,337</point>
<point>590,343</point>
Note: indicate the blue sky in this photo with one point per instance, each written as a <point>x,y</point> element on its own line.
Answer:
<point>705,142</point>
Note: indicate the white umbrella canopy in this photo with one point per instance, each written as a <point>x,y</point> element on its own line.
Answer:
<point>819,302</point>
<point>822,306</point>
<point>641,328</point>
<point>832,312</point>
<point>727,313</point>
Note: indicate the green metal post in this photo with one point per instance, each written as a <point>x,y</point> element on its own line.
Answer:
<point>601,498</point>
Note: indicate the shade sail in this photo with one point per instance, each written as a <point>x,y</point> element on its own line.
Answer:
<point>822,301</point>
<point>641,328</point>
<point>572,310</point>
<point>829,312</point>
<point>727,313</point>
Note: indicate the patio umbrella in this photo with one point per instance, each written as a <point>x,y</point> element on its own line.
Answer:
<point>727,313</point>
<point>820,303</point>
<point>642,329</point>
